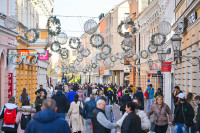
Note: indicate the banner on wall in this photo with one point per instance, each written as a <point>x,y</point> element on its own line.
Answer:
<point>44,56</point>
<point>10,84</point>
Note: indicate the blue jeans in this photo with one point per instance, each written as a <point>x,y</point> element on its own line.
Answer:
<point>150,103</point>
<point>62,115</point>
<point>180,128</point>
<point>88,125</point>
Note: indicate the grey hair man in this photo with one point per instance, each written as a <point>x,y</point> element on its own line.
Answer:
<point>100,123</point>
<point>47,120</point>
<point>87,112</point>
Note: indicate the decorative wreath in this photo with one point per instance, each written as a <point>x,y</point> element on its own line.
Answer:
<point>64,53</point>
<point>35,34</point>
<point>153,39</point>
<point>86,52</point>
<point>152,49</point>
<point>126,22</point>
<point>144,54</point>
<point>98,56</point>
<point>106,46</point>
<point>55,44</point>
<point>55,22</point>
<point>120,56</point>
<point>113,58</point>
<point>96,43</point>
<point>125,48</point>
<point>94,65</point>
<point>103,56</point>
<point>79,59</point>
<point>74,40</point>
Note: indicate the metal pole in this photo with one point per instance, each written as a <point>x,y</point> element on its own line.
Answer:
<point>89,77</point>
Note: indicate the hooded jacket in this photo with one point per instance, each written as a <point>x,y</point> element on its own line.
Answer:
<point>25,110</point>
<point>8,128</point>
<point>47,121</point>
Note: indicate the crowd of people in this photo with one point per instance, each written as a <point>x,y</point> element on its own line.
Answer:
<point>91,105</point>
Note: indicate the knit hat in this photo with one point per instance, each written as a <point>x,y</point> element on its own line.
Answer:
<point>181,95</point>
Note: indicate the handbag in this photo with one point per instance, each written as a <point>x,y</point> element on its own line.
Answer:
<point>153,124</point>
<point>80,108</point>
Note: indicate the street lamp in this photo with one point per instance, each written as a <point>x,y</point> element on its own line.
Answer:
<point>138,65</point>
<point>150,62</point>
<point>176,44</point>
<point>162,55</point>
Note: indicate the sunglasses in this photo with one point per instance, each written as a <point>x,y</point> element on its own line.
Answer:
<point>29,59</point>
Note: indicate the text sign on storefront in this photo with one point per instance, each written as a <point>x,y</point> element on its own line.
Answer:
<point>23,52</point>
<point>10,84</point>
<point>44,56</point>
<point>166,67</point>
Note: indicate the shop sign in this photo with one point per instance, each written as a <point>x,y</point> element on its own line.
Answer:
<point>44,56</point>
<point>166,67</point>
<point>10,84</point>
<point>23,52</point>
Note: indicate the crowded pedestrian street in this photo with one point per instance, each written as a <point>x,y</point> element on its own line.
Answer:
<point>99,66</point>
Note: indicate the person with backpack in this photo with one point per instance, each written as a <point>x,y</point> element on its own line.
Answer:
<point>24,115</point>
<point>110,95</point>
<point>8,114</point>
<point>119,95</point>
<point>24,98</point>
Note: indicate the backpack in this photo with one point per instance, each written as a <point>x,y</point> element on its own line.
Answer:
<point>24,121</point>
<point>119,93</point>
<point>10,117</point>
<point>110,93</point>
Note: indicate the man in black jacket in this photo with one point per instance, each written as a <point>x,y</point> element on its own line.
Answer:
<point>61,102</point>
<point>39,90</point>
<point>184,114</point>
<point>125,98</point>
<point>197,101</point>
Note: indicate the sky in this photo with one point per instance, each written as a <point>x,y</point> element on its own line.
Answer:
<point>73,26</point>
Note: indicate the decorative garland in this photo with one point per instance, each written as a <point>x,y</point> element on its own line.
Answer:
<point>103,56</point>
<point>79,59</point>
<point>126,22</point>
<point>64,53</point>
<point>55,21</point>
<point>125,48</point>
<point>35,37</point>
<point>86,52</point>
<point>113,58</point>
<point>98,56</point>
<point>142,54</point>
<point>75,40</point>
<point>152,50</point>
<point>106,46</point>
<point>153,39</point>
<point>55,43</point>
<point>99,44</point>
<point>94,65</point>
<point>120,56</point>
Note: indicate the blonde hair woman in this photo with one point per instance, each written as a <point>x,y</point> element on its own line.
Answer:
<point>161,112</point>
<point>39,101</point>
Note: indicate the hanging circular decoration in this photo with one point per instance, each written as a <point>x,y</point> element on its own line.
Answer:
<point>112,64</point>
<point>64,53</point>
<point>164,28</point>
<point>55,47</point>
<point>103,56</point>
<point>75,41</point>
<point>90,26</point>
<point>53,26</point>
<point>32,33</point>
<point>94,65</point>
<point>144,54</point>
<point>159,37</point>
<point>80,48</point>
<point>120,56</point>
<point>106,49</point>
<point>127,44</point>
<point>135,57</point>
<point>86,52</point>
<point>62,38</point>
<point>152,49</point>
<point>127,22</point>
<point>113,58</point>
<point>98,56</point>
<point>50,40</point>
<point>79,59</point>
<point>96,40</point>
<point>11,22</point>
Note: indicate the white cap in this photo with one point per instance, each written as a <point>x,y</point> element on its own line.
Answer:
<point>181,95</point>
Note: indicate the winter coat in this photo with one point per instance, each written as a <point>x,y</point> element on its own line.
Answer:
<point>38,104</point>
<point>145,122</point>
<point>162,119</point>
<point>70,96</point>
<point>47,121</point>
<point>39,90</point>
<point>61,102</point>
<point>125,98</point>
<point>151,92</point>
<point>188,114</point>
<point>109,113</point>
<point>28,98</point>
<point>88,108</point>
<point>25,110</point>
<point>75,118</point>
<point>198,118</point>
<point>110,93</point>
<point>81,95</point>
<point>131,124</point>
<point>8,128</point>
